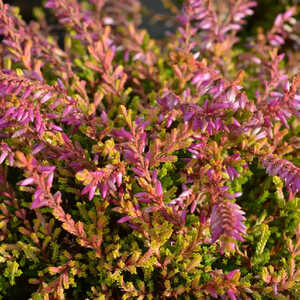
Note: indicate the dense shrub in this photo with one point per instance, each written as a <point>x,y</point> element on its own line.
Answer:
<point>139,169</point>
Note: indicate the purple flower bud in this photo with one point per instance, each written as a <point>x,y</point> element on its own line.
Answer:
<point>37,94</point>
<point>104,190</point>
<point>9,88</point>
<point>55,128</point>
<point>129,155</point>
<point>9,43</point>
<point>50,180</point>
<point>56,103</point>
<point>231,274</point>
<point>230,293</point>
<point>38,199</point>
<point>188,115</point>
<point>50,4</point>
<point>205,24</point>
<point>232,173</point>
<point>86,190</point>
<point>57,197</point>
<point>124,219</point>
<point>45,98</point>
<point>227,219</point>
<point>158,188</point>
<point>284,169</point>
<point>235,26</point>
<point>18,89</point>
<point>67,111</point>
<point>142,194</point>
<point>144,200</point>
<point>154,175</point>
<point>19,132</point>
<point>92,192</point>
<point>111,184</point>
<point>27,181</point>
<point>10,111</point>
<point>3,156</point>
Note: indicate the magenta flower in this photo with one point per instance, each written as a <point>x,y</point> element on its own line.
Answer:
<point>124,219</point>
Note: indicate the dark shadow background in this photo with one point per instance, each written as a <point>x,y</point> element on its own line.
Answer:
<point>264,15</point>
<point>156,29</point>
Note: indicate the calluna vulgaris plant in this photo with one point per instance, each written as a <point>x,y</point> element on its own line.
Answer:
<point>141,169</point>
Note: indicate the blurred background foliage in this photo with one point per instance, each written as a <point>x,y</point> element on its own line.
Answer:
<point>158,19</point>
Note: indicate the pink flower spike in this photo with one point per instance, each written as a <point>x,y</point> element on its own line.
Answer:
<point>226,218</point>
<point>45,98</point>
<point>37,203</point>
<point>144,200</point>
<point>19,132</point>
<point>122,133</point>
<point>183,216</point>
<point>11,159</point>
<point>193,206</point>
<point>57,197</point>
<point>154,175</point>
<point>27,93</point>
<point>289,13</point>
<point>60,84</point>
<point>138,171</point>
<point>202,217</point>
<point>126,56</point>
<point>46,169</point>
<point>104,117</point>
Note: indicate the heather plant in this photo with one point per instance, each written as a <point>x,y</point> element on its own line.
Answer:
<point>134,168</point>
